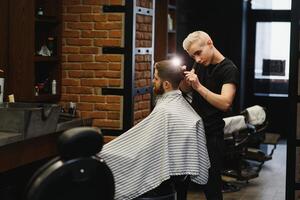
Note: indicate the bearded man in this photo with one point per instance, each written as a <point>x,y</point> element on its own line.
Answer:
<point>169,142</point>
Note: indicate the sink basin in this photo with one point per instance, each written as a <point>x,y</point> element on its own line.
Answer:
<point>21,121</point>
<point>28,119</point>
<point>8,138</point>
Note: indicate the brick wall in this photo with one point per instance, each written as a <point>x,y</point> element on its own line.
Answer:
<point>142,103</point>
<point>86,29</point>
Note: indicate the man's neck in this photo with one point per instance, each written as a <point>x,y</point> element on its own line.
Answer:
<point>170,90</point>
<point>217,58</point>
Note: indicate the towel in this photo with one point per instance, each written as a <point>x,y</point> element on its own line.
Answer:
<point>170,141</point>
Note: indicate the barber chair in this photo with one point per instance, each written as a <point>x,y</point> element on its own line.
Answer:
<point>247,131</point>
<point>77,173</point>
<point>256,118</point>
<point>236,137</point>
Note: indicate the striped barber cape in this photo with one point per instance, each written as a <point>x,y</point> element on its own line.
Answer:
<point>170,141</point>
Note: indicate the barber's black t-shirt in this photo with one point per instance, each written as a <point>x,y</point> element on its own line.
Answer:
<point>213,77</point>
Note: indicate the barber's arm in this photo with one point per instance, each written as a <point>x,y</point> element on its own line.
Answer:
<point>221,101</point>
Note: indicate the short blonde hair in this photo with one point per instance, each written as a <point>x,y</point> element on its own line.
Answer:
<point>194,36</point>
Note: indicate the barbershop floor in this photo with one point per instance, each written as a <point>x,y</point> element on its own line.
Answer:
<point>269,185</point>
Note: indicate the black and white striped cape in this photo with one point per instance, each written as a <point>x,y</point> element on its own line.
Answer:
<point>169,142</point>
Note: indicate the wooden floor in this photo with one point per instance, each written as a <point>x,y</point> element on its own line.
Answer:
<point>270,185</point>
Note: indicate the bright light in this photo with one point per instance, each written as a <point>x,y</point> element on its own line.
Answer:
<point>176,61</point>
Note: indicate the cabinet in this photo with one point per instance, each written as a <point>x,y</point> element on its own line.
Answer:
<point>165,29</point>
<point>34,24</point>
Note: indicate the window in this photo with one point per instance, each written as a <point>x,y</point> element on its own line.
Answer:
<point>272,47</point>
<point>272,59</point>
<point>272,50</point>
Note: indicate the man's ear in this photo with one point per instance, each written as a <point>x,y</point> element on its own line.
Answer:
<point>167,85</point>
<point>209,42</point>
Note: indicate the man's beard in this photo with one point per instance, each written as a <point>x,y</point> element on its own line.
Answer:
<point>159,90</point>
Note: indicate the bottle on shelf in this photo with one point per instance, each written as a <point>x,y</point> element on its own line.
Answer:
<point>170,23</point>
<point>72,109</point>
<point>40,11</point>
<point>36,90</point>
<point>11,98</point>
<point>53,87</point>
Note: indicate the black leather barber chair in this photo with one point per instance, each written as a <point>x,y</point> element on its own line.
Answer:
<point>236,138</point>
<point>77,173</point>
<point>234,163</point>
<point>259,136</point>
<point>243,156</point>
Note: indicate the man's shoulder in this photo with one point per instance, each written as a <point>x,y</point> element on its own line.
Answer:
<point>177,106</point>
<point>229,72</point>
<point>227,66</point>
<point>227,63</point>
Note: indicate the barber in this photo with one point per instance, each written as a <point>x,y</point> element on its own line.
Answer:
<point>213,82</point>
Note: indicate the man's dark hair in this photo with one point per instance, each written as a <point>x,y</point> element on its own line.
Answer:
<point>170,71</point>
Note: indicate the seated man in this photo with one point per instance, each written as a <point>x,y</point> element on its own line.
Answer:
<point>169,142</point>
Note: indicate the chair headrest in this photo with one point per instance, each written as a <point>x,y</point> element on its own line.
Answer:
<point>80,142</point>
<point>256,115</point>
<point>234,123</point>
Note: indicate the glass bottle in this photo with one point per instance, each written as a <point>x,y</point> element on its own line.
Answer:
<point>40,11</point>
<point>53,87</point>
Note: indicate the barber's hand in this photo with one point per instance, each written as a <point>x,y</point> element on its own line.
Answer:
<point>192,78</point>
<point>187,83</point>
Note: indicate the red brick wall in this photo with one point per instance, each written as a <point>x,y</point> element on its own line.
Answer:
<point>142,103</point>
<point>86,29</point>
<point>145,3</point>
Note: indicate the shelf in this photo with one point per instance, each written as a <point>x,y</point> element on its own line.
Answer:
<point>47,98</point>
<point>165,29</point>
<point>171,7</point>
<point>46,58</point>
<point>45,19</point>
<point>27,68</point>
